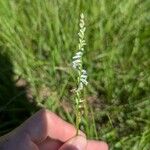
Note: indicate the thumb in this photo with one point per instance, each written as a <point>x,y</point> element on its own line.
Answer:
<point>75,143</point>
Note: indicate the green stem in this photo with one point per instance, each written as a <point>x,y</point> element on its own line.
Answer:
<point>78,114</point>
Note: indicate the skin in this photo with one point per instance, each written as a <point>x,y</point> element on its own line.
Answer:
<point>46,131</point>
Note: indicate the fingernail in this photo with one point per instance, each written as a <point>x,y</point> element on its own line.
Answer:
<point>79,142</point>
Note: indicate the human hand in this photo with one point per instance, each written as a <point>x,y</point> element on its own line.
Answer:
<point>46,131</point>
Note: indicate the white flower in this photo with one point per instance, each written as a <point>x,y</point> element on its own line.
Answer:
<point>76,63</point>
<point>83,77</point>
<point>78,55</point>
<point>83,80</point>
<point>84,72</point>
<point>77,59</point>
<point>80,87</point>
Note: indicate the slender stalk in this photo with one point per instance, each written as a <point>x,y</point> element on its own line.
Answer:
<point>82,75</point>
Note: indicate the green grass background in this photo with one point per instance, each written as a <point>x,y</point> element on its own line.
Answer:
<point>37,41</point>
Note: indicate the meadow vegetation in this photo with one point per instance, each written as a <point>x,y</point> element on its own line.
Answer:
<point>37,41</point>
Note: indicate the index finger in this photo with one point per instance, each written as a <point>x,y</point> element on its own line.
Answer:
<point>45,124</point>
